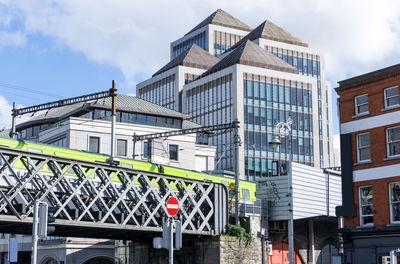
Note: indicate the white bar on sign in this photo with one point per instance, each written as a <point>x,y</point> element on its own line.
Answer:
<point>173,206</point>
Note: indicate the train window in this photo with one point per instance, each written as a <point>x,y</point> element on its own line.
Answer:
<point>245,194</point>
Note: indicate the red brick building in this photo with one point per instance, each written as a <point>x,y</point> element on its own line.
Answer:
<point>370,155</point>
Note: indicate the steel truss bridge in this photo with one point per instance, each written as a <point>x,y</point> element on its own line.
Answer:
<point>95,199</point>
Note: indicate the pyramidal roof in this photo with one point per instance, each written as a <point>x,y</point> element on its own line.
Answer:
<point>249,53</point>
<point>220,17</point>
<point>268,30</point>
<point>194,57</point>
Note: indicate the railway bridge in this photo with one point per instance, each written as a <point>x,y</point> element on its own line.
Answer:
<point>99,200</point>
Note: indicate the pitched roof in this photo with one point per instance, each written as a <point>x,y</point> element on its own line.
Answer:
<point>268,30</point>
<point>249,53</point>
<point>194,57</point>
<point>220,17</point>
<point>127,103</point>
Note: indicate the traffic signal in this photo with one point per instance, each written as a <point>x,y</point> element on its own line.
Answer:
<point>46,216</point>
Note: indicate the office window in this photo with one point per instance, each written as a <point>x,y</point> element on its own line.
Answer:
<point>394,189</point>
<point>94,144</point>
<point>173,152</point>
<point>121,147</point>
<point>146,149</point>
<point>366,213</point>
<point>363,147</point>
<point>393,141</point>
<point>361,104</point>
<point>391,96</point>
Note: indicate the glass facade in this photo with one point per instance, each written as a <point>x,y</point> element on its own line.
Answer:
<point>309,65</point>
<point>223,41</point>
<point>190,77</point>
<point>268,101</point>
<point>161,92</point>
<point>210,104</point>
<point>199,40</point>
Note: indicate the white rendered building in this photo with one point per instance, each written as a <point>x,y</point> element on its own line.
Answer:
<point>88,127</point>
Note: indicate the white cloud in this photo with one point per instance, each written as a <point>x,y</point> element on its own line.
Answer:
<point>5,114</point>
<point>12,39</point>
<point>356,36</point>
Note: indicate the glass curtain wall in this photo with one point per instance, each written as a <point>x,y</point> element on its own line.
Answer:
<point>211,104</point>
<point>309,65</point>
<point>199,40</point>
<point>269,101</point>
<point>161,92</point>
<point>223,41</point>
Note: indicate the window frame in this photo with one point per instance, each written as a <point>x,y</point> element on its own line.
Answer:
<point>98,144</point>
<point>358,149</point>
<point>177,152</point>
<point>391,203</point>
<point>126,147</point>
<point>387,143</point>
<point>386,98</point>
<point>360,206</point>
<point>356,106</point>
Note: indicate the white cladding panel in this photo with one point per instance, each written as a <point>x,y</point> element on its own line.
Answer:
<point>315,193</point>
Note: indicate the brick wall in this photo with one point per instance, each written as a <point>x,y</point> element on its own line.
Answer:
<point>378,148</point>
<point>375,98</point>
<point>380,201</point>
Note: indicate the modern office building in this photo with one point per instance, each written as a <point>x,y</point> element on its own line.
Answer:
<point>215,34</point>
<point>370,157</point>
<point>165,86</point>
<point>261,77</point>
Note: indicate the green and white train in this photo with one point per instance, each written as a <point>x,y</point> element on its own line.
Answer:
<point>247,189</point>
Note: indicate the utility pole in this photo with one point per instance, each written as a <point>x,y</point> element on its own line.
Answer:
<point>113,116</point>
<point>237,194</point>
<point>35,232</point>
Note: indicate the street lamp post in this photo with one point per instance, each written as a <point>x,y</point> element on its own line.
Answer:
<point>281,130</point>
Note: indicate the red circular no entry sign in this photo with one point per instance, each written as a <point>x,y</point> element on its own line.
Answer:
<point>172,206</point>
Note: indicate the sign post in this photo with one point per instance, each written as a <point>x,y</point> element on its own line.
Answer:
<point>172,209</point>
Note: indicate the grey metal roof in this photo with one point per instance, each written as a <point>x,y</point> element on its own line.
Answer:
<point>220,17</point>
<point>189,124</point>
<point>54,115</point>
<point>268,30</point>
<point>249,53</point>
<point>194,57</point>
<point>127,103</point>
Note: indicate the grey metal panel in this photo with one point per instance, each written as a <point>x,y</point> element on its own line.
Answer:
<point>315,193</point>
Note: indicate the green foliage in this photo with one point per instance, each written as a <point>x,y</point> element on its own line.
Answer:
<point>238,231</point>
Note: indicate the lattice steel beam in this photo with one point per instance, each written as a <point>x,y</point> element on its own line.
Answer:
<point>106,196</point>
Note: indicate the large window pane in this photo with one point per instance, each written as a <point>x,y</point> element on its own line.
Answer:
<point>363,147</point>
<point>94,144</point>
<point>393,139</point>
<point>121,147</point>
<point>366,208</point>
<point>395,201</point>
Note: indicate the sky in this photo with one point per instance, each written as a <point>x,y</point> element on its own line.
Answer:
<point>58,49</point>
